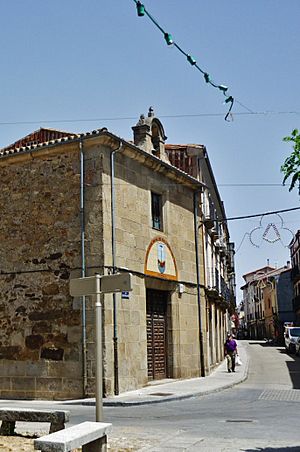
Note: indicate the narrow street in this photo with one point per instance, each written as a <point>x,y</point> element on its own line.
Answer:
<point>261,414</point>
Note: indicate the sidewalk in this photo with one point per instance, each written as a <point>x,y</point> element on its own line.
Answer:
<point>169,390</point>
<point>157,392</point>
<point>162,390</point>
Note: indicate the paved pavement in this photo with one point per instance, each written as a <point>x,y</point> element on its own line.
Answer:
<point>163,390</point>
<point>151,439</point>
<point>168,390</point>
<point>157,392</point>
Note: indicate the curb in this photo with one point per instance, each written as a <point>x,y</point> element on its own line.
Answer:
<point>119,403</point>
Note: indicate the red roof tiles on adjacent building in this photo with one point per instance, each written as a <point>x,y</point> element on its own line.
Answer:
<point>42,135</point>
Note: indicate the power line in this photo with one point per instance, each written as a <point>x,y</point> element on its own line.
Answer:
<point>244,106</point>
<point>242,241</point>
<point>132,118</point>
<point>241,113</point>
<point>172,184</point>
<point>250,185</point>
<point>260,214</point>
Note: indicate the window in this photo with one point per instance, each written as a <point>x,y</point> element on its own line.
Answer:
<point>156,211</point>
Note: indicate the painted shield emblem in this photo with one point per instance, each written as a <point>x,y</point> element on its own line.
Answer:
<point>161,257</point>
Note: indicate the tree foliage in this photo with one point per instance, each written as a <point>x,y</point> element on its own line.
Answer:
<point>291,166</point>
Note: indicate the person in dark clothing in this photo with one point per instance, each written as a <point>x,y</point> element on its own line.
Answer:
<point>230,352</point>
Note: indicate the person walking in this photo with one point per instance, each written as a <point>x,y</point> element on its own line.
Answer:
<point>230,352</point>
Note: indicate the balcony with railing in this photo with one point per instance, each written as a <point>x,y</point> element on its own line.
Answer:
<point>230,257</point>
<point>209,214</point>
<point>226,293</point>
<point>213,283</point>
<point>218,289</point>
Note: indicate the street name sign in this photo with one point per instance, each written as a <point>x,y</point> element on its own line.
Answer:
<point>84,286</point>
<point>116,283</point>
<point>92,285</point>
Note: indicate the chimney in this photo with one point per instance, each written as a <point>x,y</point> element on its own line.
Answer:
<point>142,134</point>
<point>149,135</point>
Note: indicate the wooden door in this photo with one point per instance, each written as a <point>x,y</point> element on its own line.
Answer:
<point>157,334</point>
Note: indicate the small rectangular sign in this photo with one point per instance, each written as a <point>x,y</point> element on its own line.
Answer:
<point>80,287</point>
<point>92,285</point>
<point>116,283</point>
<point>125,295</point>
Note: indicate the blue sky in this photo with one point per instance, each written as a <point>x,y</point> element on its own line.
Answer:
<point>65,60</point>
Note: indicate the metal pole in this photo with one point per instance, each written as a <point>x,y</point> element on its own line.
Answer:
<point>82,233</point>
<point>202,362</point>
<point>98,334</point>
<point>113,244</point>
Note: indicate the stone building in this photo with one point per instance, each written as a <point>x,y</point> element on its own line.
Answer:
<point>295,258</point>
<point>267,302</point>
<point>73,205</point>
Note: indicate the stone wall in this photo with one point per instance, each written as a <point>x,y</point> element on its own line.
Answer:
<point>41,332</point>
<point>134,183</point>
<point>40,340</point>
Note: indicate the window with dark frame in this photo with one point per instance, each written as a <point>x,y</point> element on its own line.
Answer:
<point>156,211</point>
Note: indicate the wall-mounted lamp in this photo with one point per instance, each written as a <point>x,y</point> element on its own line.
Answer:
<point>180,288</point>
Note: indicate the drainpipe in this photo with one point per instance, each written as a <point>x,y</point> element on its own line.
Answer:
<point>204,258</point>
<point>83,267</point>
<point>113,247</point>
<point>202,364</point>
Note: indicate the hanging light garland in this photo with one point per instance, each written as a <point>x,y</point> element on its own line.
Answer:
<point>270,233</point>
<point>141,11</point>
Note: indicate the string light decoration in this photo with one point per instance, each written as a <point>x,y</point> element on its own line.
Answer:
<point>270,233</point>
<point>141,12</point>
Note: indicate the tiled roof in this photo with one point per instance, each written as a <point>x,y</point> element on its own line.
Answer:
<point>179,157</point>
<point>67,137</point>
<point>38,136</point>
<point>36,140</point>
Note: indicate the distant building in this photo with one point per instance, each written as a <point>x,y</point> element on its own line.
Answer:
<point>242,330</point>
<point>267,301</point>
<point>295,258</point>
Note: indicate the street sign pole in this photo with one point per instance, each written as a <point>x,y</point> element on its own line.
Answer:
<point>96,285</point>
<point>98,333</point>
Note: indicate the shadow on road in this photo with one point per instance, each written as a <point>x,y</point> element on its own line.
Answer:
<point>264,344</point>
<point>293,367</point>
<point>274,449</point>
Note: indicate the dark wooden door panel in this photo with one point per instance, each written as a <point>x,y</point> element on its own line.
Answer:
<point>156,334</point>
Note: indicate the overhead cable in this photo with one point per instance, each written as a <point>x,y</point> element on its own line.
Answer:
<point>132,118</point>
<point>259,214</point>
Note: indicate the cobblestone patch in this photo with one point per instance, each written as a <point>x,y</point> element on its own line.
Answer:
<point>283,395</point>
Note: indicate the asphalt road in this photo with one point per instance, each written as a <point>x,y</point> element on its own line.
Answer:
<point>261,414</point>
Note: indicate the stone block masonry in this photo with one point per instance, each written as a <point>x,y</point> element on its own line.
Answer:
<point>40,343</point>
<point>41,227</point>
<point>9,417</point>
